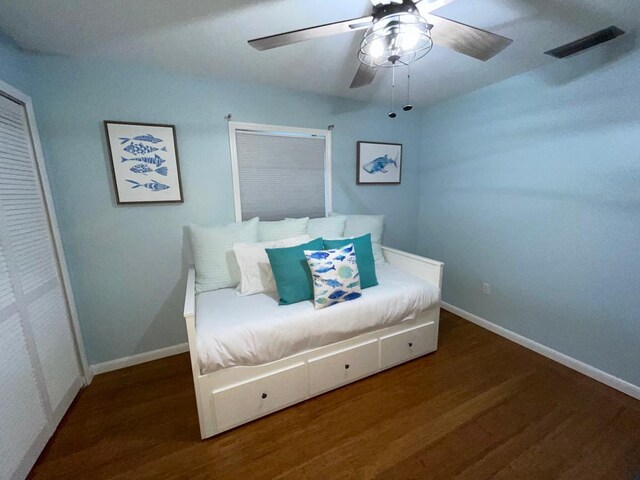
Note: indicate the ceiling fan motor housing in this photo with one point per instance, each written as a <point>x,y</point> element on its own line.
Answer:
<point>381,11</point>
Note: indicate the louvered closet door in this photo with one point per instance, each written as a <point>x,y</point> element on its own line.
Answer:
<point>39,367</point>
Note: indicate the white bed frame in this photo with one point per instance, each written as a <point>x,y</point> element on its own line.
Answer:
<point>233,396</point>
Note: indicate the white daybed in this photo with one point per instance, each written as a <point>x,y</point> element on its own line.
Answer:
<point>251,357</point>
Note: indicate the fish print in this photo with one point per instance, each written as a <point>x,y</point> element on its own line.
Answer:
<point>351,296</point>
<point>340,258</point>
<point>325,269</point>
<point>144,169</point>
<point>332,283</point>
<point>152,185</point>
<point>141,168</point>
<point>141,138</point>
<point>337,294</point>
<point>155,160</point>
<point>379,165</point>
<point>354,284</point>
<point>345,272</point>
<point>319,255</point>
<point>142,149</point>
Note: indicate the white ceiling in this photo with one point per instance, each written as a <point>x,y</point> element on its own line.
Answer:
<point>209,37</point>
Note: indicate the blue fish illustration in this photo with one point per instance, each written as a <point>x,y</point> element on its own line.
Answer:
<point>144,169</point>
<point>345,272</point>
<point>156,160</point>
<point>379,165</point>
<point>353,284</point>
<point>339,257</point>
<point>318,255</point>
<point>141,168</point>
<point>142,149</point>
<point>325,269</point>
<point>337,294</point>
<point>348,249</point>
<point>332,283</point>
<point>351,296</point>
<point>152,185</point>
<point>141,138</point>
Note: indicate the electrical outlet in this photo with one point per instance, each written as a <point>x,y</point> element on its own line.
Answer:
<point>486,288</point>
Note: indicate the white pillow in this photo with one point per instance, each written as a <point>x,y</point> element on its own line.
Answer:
<point>215,262</point>
<point>288,228</point>
<point>358,225</point>
<point>327,227</point>
<point>256,275</point>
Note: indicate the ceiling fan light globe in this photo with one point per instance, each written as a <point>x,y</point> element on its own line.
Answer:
<point>399,38</point>
<point>376,48</point>
<point>410,37</point>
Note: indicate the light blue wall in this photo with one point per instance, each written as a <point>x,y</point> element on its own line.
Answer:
<point>13,69</point>
<point>127,263</point>
<point>533,185</point>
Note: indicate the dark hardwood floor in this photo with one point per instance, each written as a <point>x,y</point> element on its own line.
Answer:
<point>481,407</point>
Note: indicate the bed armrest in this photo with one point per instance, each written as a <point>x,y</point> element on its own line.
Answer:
<point>189,313</point>
<point>425,268</point>
<point>190,317</point>
<point>190,294</point>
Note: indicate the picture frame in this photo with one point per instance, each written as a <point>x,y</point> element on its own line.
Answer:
<point>378,163</point>
<point>145,165</point>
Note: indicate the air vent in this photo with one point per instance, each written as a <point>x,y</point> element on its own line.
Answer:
<point>585,43</point>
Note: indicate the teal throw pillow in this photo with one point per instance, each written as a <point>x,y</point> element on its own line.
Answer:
<point>364,257</point>
<point>291,271</point>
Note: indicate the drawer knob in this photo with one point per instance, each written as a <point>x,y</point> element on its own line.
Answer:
<point>411,344</point>
<point>264,395</point>
<point>346,366</point>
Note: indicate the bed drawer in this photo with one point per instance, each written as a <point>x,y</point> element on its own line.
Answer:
<point>335,369</point>
<point>402,346</point>
<point>244,402</point>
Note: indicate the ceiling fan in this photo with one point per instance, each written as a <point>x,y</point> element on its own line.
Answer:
<point>397,33</point>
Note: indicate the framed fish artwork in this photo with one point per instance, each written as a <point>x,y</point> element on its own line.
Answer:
<point>144,162</point>
<point>378,163</point>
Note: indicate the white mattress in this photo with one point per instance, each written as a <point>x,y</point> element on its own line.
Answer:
<point>254,330</point>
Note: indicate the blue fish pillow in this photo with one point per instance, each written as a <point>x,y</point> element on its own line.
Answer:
<point>335,275</point>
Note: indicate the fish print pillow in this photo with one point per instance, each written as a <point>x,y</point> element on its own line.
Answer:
<point>335,275</point>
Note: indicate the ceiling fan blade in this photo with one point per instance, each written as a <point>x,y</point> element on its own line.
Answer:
<point>295,36</point>
<point>364,76</point>
<point>465,39</point>
<point>427,6</point>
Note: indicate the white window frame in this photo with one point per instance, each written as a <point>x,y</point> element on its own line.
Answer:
<point>285,131</point>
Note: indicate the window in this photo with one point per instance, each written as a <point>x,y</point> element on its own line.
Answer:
<point>280,172</point>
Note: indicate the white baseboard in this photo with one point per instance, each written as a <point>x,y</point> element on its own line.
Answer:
<point>603,377</point>
<point>139,358</point>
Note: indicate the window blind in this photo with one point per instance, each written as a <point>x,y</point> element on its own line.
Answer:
<point>280,175</point>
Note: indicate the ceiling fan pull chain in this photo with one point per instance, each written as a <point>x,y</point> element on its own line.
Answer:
<point>392,114</point>
<point>408,105</point>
